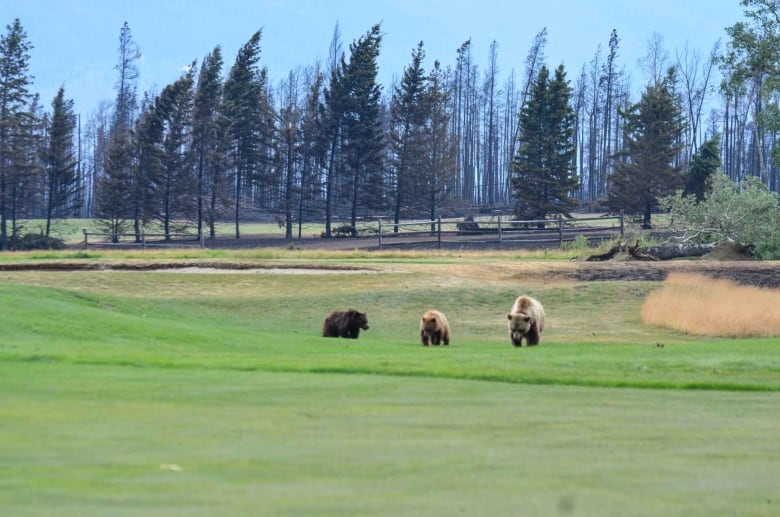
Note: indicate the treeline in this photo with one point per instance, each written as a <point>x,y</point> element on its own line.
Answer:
<point>328,143</point>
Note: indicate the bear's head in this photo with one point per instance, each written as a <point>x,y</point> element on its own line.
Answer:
<point>358,319</point>
<point>519,325</point>
<point>430,322</point>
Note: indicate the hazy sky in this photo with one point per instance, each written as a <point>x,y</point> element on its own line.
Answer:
<point>75,41</point>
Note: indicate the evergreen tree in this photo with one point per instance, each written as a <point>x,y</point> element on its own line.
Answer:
<point>246,107</point>
<point>114,207</point>
<point>126,101</point>
<point>149,164</point>
<point>119,203</point>
<point>175,186</point>
<point>442,147</point>
<point>651,137</point>
<point>208,138</point>
<point>62,182</point>
<point>409,115</point>
<point>703,164</point>
<point>363,125</point>
<point>333,116</point>
<point>543,179</point>
<point>14,98</point>
<point>312,148</point>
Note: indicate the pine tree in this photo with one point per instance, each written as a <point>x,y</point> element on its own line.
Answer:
<point>208,138</point>
<point>651,134</point>
<point>114,207</point>
<point>704,164</point>
<point>543,179</point>
<point>119,204</point>
<point>409,115</point>
<point>363,125</point>
<point>333,116</point>
<point>246,107</point>
<point>126,101</point>
<point>14,98</point>
<point>312,148</point>
<point>175,186</point>
<point>62,182</point>
<point>442,148</point>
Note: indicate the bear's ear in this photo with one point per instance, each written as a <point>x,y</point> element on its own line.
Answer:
<point>527,318</point>
<point>509,315</point>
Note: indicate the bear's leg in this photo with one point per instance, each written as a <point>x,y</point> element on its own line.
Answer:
<point>436,337</point>
<point>533,335</point>
<point>424,338</point>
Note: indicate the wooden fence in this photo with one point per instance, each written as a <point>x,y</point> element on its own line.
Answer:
<point>146,240</point>
<point>497,232</point>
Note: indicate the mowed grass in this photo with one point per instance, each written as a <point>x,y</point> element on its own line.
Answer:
<point>162,393</point>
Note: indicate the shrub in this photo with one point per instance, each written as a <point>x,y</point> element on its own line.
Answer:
<point>35,241</point>
<point>748,215</point>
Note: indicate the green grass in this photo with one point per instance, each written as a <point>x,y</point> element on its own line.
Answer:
<point>148,393</point>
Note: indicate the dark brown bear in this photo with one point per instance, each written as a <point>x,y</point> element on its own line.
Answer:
<point>434,328</point>
<point>344,324</point>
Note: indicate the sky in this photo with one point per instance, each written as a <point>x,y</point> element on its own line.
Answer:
<point>75,42</point>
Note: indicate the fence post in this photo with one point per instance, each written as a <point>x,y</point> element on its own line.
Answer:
<point>438,245</point>
<point>380,234</point>
<point>560,230</point>
<point>621,223</point>
<point>86,236</point>
<point>500,240</point>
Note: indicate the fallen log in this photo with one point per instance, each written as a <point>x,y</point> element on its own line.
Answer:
<point>653,253</point>
<point>670,251</point>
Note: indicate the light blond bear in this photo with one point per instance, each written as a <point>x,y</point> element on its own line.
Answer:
<point>526,320</point>
<point>434,329</point>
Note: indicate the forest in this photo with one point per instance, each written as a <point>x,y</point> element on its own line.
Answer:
<point>329,143</point>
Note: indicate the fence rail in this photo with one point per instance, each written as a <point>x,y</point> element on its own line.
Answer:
<point>498,232</point>
<point>145,240</point>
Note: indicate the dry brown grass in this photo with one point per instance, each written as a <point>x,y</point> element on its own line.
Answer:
<point>697,304</point>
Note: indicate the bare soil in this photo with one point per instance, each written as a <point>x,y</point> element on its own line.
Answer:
<point>722,264</point>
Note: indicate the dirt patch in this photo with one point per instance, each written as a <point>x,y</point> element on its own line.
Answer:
<point>762,274</point>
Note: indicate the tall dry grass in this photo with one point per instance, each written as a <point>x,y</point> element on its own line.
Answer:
<point>700,305</point>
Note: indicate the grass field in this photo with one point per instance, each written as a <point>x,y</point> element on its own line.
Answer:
<point>211,393</point>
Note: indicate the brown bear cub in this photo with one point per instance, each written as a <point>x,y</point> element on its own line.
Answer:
<point>434,329</point>
<point>344,324</point>
<point>526,320</point>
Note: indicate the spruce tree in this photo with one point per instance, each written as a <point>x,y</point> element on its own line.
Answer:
<point>440,168</point>
<point>703,165</point>
<point>62,182</point>
<point>651,136</point>
<point>14,101</point>
<point>312,148</point>
<point>175,186</point>
<point>246,108</point>
<point>208,138</point>
<point>363,125</point>
<point>408,117</point>
<point>118,204</point>
<point>333,117</point>
<point>543,180</point>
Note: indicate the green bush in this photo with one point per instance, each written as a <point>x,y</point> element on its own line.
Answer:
<point>747,214</point>
<point>35,241</point>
